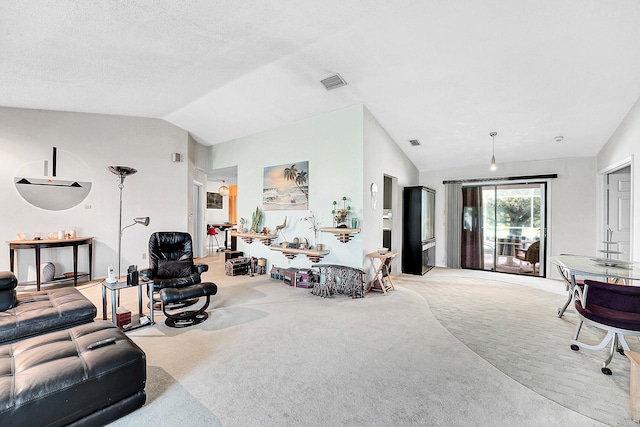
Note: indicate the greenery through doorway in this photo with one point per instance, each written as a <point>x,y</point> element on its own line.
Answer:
<point>503,228</point>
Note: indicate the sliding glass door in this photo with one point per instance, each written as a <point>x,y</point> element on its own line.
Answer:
<point>503,228</point>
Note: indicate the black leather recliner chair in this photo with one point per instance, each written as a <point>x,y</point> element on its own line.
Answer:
<point>176,278</point>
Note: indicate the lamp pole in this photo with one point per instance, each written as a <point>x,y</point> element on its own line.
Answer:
<point>120,186</point>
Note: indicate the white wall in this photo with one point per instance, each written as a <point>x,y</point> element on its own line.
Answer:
<point>571,198</point>
<point>624,145</point>
<point>159,190</point>
<point>332,143</point>
<point>382,156</point>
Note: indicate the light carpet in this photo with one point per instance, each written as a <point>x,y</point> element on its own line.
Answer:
<point>448,348</point>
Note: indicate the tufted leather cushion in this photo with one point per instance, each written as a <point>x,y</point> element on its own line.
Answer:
<point>171,261</point>
<point>169,269</point>
<point>40,312</point>
<point>169,245</point>
<point>55,379</point>
<point>174,295</point>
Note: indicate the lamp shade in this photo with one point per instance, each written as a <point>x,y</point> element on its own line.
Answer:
<point>122,170</point>
<point>142,220</point>
<point>223,190</point>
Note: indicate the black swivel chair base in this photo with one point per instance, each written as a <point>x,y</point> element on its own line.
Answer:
<point>183,319</point>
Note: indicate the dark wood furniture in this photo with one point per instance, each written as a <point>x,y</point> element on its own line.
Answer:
<point>224,227</point>
<point>418,228</point>
<point>38,245</point>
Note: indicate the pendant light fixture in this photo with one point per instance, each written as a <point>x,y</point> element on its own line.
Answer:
<point>493,156</point>
<point>223,190</point>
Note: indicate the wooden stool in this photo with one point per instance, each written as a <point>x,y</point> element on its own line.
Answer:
<point>634,384</point>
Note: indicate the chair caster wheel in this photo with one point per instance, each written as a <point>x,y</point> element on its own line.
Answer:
<point>574,347</point>
<point>606,371</point>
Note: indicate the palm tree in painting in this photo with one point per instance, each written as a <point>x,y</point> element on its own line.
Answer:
<point>298,177</point>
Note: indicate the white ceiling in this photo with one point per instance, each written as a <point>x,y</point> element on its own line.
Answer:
<point>446,72</point>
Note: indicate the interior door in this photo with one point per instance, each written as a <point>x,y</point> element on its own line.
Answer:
<point>198,220</point>
<point>619,213</point>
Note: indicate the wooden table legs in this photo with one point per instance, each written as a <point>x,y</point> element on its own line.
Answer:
<point>634,383</point>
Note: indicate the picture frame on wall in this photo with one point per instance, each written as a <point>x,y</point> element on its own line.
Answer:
<point>286,187</point>
<point>214,200</point>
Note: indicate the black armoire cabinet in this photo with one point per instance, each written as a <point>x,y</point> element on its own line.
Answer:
<point>418,230</point>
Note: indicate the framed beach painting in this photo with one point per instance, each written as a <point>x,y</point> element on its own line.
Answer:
<point>286,187</point>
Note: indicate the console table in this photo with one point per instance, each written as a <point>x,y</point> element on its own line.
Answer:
<point>37,245</point>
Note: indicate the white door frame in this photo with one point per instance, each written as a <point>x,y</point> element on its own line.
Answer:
<point>602,201</point>
<point>198,220</point>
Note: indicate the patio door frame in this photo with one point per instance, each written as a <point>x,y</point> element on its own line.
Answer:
<point>544,207</point>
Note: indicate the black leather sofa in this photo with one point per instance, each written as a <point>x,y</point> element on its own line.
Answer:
<point>58,367</point>
<point>28,314</point>
<point>68,378</point>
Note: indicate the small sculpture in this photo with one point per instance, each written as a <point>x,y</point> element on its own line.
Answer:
<point>281,227</point>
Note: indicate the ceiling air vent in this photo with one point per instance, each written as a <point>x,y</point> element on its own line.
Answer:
<point>333,82</point>
<point>414,142</point>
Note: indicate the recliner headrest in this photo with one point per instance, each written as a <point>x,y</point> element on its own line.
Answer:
<point>170,245</point>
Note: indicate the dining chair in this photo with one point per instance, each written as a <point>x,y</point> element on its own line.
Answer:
<point>611,307</point>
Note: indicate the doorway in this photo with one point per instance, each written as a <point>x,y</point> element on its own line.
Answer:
<point>198,219</point>
<point>387,212</point>
<point>503,228</point>
<point>617,242</point>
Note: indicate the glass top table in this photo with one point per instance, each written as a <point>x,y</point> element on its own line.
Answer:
<point>120,285</point>
<point>582,265</point>
<point>571,266</point>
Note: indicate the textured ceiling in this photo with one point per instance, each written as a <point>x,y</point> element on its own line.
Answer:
<point>444,72</point>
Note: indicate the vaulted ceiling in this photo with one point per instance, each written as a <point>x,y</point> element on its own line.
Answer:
<point>445,72</point>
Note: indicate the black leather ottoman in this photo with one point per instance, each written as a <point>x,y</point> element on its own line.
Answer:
<point>57,379</point>
<point>176,296</point>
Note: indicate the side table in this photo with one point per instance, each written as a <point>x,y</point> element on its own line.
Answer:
<point>381,281</point>
<point>122,284</point>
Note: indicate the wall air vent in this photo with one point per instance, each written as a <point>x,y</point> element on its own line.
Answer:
<point>414,142</point>
<point>333,82</point>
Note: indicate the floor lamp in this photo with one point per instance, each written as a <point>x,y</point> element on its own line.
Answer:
<point>122,172</point>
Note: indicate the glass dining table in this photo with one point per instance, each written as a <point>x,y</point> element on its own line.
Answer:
<point>571,266</point>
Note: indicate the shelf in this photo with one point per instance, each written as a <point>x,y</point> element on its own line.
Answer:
<point>266,239</point>
<point>57,280</point>
<point>342,234</point>
<point>290,253</point>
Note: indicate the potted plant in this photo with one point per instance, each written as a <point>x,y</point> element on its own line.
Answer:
<point>341,216</point>
<point>314,225</point>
